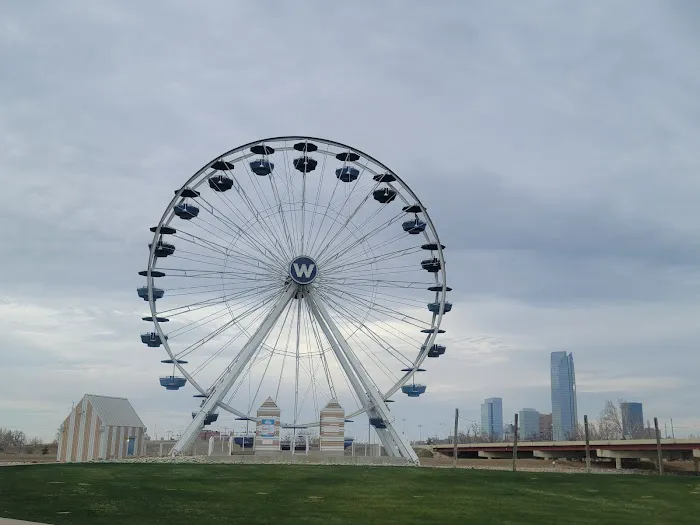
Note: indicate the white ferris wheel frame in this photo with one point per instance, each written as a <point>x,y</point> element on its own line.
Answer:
<point>373,401</point>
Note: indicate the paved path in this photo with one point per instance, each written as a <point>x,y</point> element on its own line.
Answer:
<point>5,521</point>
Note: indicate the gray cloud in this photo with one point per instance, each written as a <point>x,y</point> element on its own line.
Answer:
<point>553,145</point>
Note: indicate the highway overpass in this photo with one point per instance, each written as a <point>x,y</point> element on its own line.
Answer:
<point>618,450</point>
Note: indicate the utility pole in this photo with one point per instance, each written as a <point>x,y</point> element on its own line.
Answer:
<point>515,444</point>
<point>673,434</point>
<point>454,446</point>
<point>588,443</point>
<point>659,455</point>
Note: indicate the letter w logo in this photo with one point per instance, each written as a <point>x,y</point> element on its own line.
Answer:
<point>303,270</point>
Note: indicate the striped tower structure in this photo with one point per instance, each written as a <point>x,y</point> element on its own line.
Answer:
<point>267,429</point>
<point>333,429</point>
<point>99,428</point>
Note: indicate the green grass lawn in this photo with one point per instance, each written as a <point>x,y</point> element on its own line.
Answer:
<point>217,493</point>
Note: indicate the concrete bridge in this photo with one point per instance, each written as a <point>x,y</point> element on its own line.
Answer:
<point>618,450</point>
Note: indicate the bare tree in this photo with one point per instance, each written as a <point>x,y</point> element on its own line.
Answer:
<point>610,422</point>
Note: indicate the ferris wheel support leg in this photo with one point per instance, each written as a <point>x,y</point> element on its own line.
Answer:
<point>394,443</point>
<point>234,371</point>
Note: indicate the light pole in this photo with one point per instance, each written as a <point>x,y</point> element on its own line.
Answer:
<point>419,433</point>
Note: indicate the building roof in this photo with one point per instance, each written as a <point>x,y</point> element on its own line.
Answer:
<point>115,411</point>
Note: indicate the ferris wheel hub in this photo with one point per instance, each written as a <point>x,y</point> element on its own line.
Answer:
<point>303,270</point>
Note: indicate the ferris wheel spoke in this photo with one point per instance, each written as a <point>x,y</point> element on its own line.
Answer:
<point>269,359</point>
<point>222,312</point>
<point>369,234</point>
<point>320,345</point>
<point>394,443</point>
<point>356,264</point>
<point>257,184</point>
<point>319,188</point>
<point>268,233</point>
<point>350,254</point>
<point>376,307</point>
<point>322,248</point>
<point>399,356</point>
<point>263,245</point>
<point>234,227</point>
<point>191,307</point>
<point>226,251</point>
<point>233,322</point>
<point>232,372</point>
<point>379,324</point>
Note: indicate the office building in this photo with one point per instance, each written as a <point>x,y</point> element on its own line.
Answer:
<point>564,416</point>
<point>632,420</point>
<point>529,424</point>
<point>492,418</point>
<point>546,427</point>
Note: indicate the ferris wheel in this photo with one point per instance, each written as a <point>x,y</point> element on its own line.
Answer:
<point>300,269</point>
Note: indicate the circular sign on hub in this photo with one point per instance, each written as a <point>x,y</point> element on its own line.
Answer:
<point>303,270</point>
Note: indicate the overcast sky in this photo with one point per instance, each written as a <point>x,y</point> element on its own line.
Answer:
<point>554,143</point>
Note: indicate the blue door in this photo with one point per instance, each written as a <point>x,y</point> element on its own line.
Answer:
<point>130,446</point>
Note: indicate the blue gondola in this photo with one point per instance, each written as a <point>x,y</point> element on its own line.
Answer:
<point>305,147</point>
<point>432,331</point>
<point>171,361</point>
<point>158,293</point>
<point>347,173</point>
<point>347,443</point>
<point>435,307</point>
<point>305,164</point>
<point>413,390</point>
<point>432,246</point>
<point>431,265</point>
<point>438,288</point>
<point>348,156</point>
<point>188,193</point>
<point>222,165</point>
<point>208,419</point>
<point>186,211</point>
<point>164,230</point>
<point>262,149</point>
<point>377,422</point>
<point>262,167</point>
<point>154,273</point>
<point>173,382</point>
<point>163,249</point>
<point>220,183</point>
<point>152,339</point>
<point>159,319</point>
<point>384,195</point>
<point>414,226</point>
<point>384,177</point>
<point>436,350</point>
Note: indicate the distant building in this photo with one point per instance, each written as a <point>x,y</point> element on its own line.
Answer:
<point>204,435</point>
<point>563,378</point>
<point>529,424</point>
<point>632,420</point>
<point>492,418</point>
<point>545,427</point>
<point>100,428</point>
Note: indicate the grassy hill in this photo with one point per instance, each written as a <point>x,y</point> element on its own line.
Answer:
<point>180,493</point>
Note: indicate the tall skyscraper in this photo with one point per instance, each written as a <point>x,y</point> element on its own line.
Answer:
<point>529,424</point>
<point>492,418</point>
<point>632,420</point>
<point>564,416</point>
